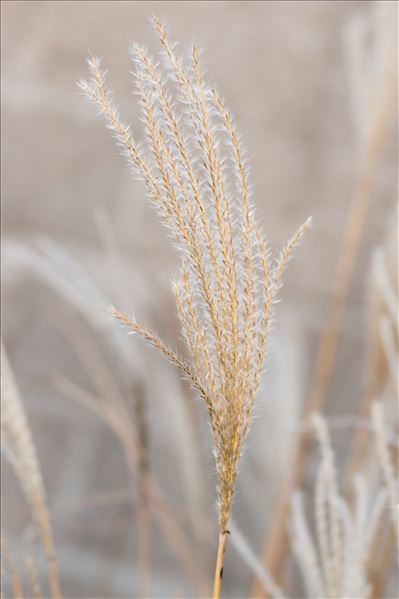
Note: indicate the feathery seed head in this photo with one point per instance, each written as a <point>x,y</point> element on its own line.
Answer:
<point>334,564</point>
<point>197,175</point>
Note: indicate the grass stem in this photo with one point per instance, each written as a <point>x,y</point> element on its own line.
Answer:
<point>217,585</point>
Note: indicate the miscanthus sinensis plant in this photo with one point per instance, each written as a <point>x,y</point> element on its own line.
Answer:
<point>335,563</point>
<point>195,172</point>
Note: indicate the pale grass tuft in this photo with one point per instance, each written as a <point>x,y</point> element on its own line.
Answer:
<point>335,565</point>
<point>196,174</point>
<point>18,447</point>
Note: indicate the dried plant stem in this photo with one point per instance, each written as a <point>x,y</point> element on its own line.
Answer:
<point>34,578</point>
<point>217,585</point>
<point>17,586</point>
<point>52,568</point>
<point>11,566</point>
<point>143,507</point>
<point>143,537</point>
<point>381,565</point>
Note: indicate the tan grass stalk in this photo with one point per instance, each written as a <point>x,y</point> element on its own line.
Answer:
<point>34,579</point>
<point>385,554</point>
<point>197,176</point>
<point>20,449</point>
<point>143,500</point>
<point>8,565</point>
<point>217,583</point>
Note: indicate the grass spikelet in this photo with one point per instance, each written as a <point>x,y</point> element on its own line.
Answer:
<point>196,174</point>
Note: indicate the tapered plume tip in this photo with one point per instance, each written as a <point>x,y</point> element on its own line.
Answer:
<point>111,311</point>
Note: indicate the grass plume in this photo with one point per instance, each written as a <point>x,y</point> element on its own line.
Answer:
<point>335,563</point>
<point>196,174</point>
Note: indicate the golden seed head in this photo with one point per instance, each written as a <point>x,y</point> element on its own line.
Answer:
<point>197,176</point>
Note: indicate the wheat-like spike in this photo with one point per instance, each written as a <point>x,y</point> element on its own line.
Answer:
<point>98,93</point>
<point>18,444</point>
<point>287,253</point>
<point>184,213</point>
<point>215,184</point>
<point>197,176</point>
<point>193,95</point>
<point>153,340</point>
<point>195,333</point>
<point>334,550</point>
<point>155,97</point>
<point>168,353</point>
<point>248,240</point>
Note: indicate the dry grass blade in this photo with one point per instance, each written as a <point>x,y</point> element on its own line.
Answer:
<point>143,507</point>
<point>20,449</point>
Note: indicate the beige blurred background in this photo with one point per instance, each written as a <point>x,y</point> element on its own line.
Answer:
<point>282,68</point>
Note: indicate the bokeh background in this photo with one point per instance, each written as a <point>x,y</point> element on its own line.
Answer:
<point>70,210</point>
